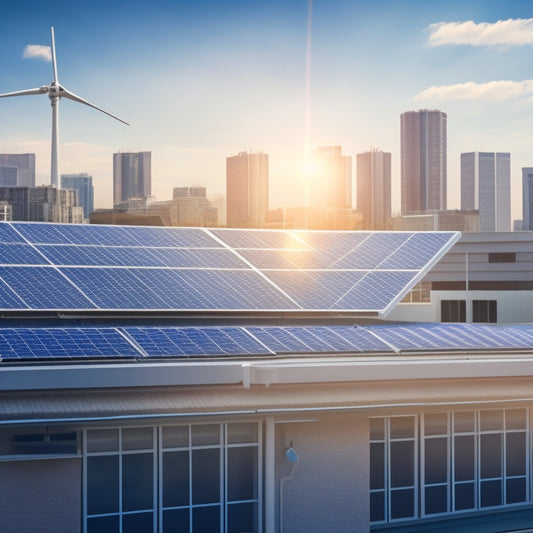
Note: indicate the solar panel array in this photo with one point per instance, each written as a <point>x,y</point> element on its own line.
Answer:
<point>116,343</point>
<point>68,267</point>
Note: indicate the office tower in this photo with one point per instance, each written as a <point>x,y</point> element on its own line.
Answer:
<point>132,175</point>
<point>83,183</point>
<point>374,188</point>
<point>527,198</point>
<point>423,161</point>
<point>486,186</point>
<point>8,176</point>
<point>25,165</point>
<point>247,190</point>
<point>331,179</point>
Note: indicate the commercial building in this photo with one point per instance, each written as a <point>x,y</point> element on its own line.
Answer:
<point>25,165</point>
<point>132,175</point>
<point>247,190</point>
<point>451,220</point>
<point>486,186</point>
<point>423,161</point>
<point>527,199</point>
<point>83,184</point>
<point>161,392</point>
<point>374,188</point>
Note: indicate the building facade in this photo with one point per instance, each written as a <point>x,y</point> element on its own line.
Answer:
<point>486,186</point>
<point>132,175</point>
<point>25,165</point>
<point>527,198</point>
<point>8,176</point>
<point>374,188</point>
<point>83,184</point>
<point>247,190</point>
<point>423,161</point>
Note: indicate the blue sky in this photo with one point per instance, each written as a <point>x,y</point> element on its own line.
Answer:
<point>201,80</point>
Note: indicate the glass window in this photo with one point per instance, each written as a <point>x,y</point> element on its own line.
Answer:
<point>453,310</point>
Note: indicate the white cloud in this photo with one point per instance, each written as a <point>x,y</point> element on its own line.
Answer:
<point>492,90</point>
<point>513,32</point>
<point>38,51</point>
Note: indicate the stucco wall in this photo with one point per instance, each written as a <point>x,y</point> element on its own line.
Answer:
<point>328,491</point>
<point>40,496</point>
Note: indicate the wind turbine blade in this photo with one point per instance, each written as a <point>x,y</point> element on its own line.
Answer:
<point>54,62</point>
<point>40,90</point>
<point>71,96</point>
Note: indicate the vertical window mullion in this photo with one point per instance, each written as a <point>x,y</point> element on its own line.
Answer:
<point>224,478</point>
<point>120,478</point>
<point>190,482</point>
<point>84,473</point>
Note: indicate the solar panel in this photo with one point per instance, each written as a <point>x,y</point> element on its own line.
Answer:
<point>273,239</point>
<point>8,234</point>
<point>63,343</point>
<point>20,254</point>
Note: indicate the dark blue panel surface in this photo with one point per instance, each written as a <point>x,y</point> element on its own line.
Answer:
<point>20,254</point>
<point>198,258</point>
<point>273,239</point>
<point>8,234</point>
<point>172,237</point>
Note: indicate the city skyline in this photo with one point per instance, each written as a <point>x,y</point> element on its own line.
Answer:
<point>201,82</point>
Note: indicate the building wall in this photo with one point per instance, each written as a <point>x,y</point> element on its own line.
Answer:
<point>132,175</point>
<point>43,496</point>
<point>328,491</point>
<point>25,164</point>
<point>527,198</point>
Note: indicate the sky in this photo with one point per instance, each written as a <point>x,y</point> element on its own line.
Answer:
<point>201,80</point>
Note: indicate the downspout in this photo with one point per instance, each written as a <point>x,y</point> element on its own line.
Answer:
<point>270,464</point>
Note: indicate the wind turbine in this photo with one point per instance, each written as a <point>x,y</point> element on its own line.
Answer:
<point>55,92</point>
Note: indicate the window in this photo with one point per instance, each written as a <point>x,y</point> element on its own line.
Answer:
<point>420,293</point>
<point>191,478</point>
<point>502,257</point>
<point>484,311</point>
<point>453,310</point>
<point>469,460</point>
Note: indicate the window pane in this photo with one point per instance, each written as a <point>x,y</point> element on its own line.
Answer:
<point>516,490</point>
<point>465,496</point>
<point>206,519</point>
<point>137,438</point>
<point>175,436</point>
<point>490,455</point>
<point>176,520</point>
<point>436,463</point>
<point>102,484</point>
<point>137,481</point>
<point>377,465</point>
<point>402,427</point>
<point>102,440</point>
<point>515,419</point>
<point>436,499</point>
<point>402,467</point>
<point>175,479</point>
<point>377,428</point>
<point>436,424</point>
<point>242,517</point>
<point>402,503</point>
<point>134,523</point>
<point>242,433</point>
<point>205,476</point>
<point>490,420</point>
<point>491,493</point>
<point>515,452</point>
<point>463,422</point>
<point>242,473</point>
<point>103,524</point>
<point>464,458</point>
<point>377,506</point>
<point>205,435</point>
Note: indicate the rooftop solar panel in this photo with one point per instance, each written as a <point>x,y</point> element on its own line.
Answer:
<point>258,239</point>
<point>20,254</point>
<point>8,234</point>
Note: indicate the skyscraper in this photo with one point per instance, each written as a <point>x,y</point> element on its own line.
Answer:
<point>486,186</point>
<point>331,185</point>
<point>132,175</point>
<point>374,188</point>
<point>247,190</point>
<point>83,183</point>
<point>25,165</point>
<point>423,161</point>
<point>527,198</point>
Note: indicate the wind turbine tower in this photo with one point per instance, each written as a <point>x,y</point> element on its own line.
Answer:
<point>55,92</point>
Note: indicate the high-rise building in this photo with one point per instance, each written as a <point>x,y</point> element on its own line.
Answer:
<point>83,183</point>
<point>247,190</point>
<point>423,161</point>
<point>25,165</point>
<point>486,186</point>
<point>8,176</point>
<point>331,180</point>
<point>527,198</point>
<point>374,188</point>
<point>132,175</point>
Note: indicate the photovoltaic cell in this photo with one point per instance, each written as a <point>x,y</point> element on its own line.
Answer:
<point>20,254</point>
<point>8,234</point>
<point>258,239</point>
